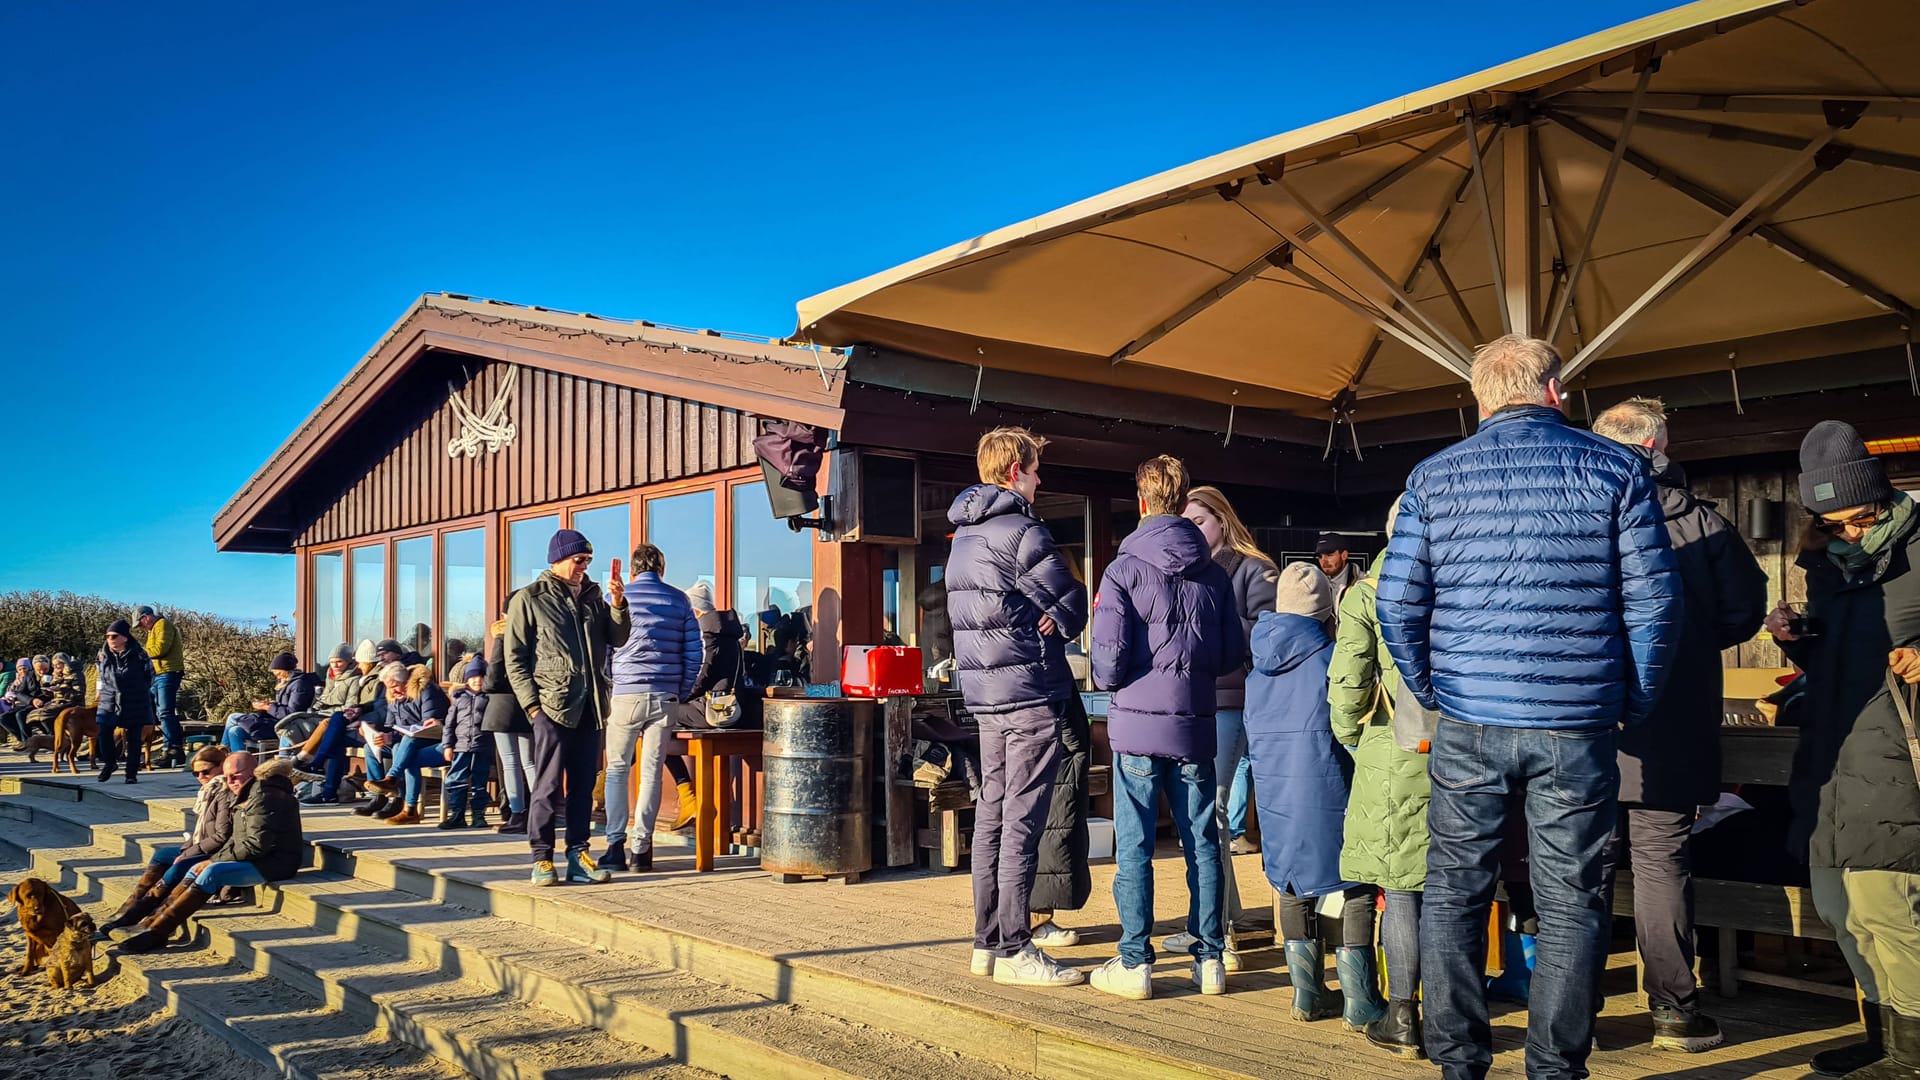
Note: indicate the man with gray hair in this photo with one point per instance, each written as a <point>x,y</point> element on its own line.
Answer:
<point>1670,765</point>
<point>1529,596</point>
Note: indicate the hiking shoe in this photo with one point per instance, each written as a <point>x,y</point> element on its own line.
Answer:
<point>1031,967</point>
<point>982,962</point>
<point>1051,935</point>
<point>1243,846</point>
<point>1116,978</point>
<point>1210,976</point>
<point>582,870</point>
<point>544,874</point>
<point>1687,1032</point>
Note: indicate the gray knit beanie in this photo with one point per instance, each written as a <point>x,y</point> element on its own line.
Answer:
<point>1304,590</point>
<point>1837,473</point>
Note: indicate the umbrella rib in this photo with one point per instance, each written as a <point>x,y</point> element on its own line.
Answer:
<point>1486,215</point>
<point>1600,200</point>
<point>1736,133</point>
<point>1418,344</point>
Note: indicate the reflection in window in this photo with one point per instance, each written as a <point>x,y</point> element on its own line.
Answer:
<point>413,594</point>
<point>681,526</point>
<point>329,606</point>
<point>463,597</point>
<point>527,548</point>
<point>369,592</point>
<point>606,529</point>
<point>772,568</point>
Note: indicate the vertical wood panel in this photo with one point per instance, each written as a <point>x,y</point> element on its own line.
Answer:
<point>596,456</point>
<point>585,438</point>
<point>624,423</point>
<point>656,437</point>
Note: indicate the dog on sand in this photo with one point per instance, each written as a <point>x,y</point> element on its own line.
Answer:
<point>44,915</point>
<point>72,961</point>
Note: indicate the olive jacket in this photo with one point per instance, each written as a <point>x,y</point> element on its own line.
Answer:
<point>557,644</point>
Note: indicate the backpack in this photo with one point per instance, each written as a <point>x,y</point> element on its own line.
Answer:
<point>1413,723</point>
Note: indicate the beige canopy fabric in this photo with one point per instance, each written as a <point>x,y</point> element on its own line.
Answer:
<point>1763,206</point>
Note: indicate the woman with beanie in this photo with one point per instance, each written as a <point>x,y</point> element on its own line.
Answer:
<point>17,701</point>
<point>1856,797</point>
<point>1254,580</point>
<point>1386,830</point>
<point>512,735</point>
<point>125,699</point>
<point>1304,778</point>
<point>293,692</point>
<point>212,824</point>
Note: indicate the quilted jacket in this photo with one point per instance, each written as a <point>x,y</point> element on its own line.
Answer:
<point>1165,626</point>
<point>662,653</point>
<point>1386,834</point>
<point>1529,581</point>
<point>1301,775</point>
<point>1003,574</point>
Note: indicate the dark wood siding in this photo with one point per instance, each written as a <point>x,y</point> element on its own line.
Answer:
<point>575,437</point>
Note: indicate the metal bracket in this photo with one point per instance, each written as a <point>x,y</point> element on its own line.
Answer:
<point>979,373</point>
<point>1733,372</point>
<point>1231,409</point>
<point>1913,373</point>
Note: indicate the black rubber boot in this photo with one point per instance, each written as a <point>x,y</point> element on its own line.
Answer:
<point>1901,1040</point>
<point>1398,1032</point>
<point>1842,1060</point>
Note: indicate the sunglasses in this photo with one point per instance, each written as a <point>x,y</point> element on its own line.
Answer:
<point>581,560</point>
<point>1866,519</point>
<point>202,774</point>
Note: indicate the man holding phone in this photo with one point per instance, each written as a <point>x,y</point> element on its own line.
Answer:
<point>558,634</point>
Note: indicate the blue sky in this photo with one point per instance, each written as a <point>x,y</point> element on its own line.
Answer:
<point>208,214</point>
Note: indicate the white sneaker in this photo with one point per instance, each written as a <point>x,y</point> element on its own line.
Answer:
<point>1031,967</point>
<point>1051,935</point>
<point>1179,944</point>
<point>1116,978</point>
<point>1210,976</point>
<point>1230,959</point>
<point>982,962</point>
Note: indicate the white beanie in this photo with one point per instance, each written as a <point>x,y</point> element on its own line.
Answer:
<point>701,597</point>
<point>364,654</point>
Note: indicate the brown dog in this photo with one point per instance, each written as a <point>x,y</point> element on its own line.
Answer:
<point>72,959</point>
<point>44,915</point>
<point>69,727</point>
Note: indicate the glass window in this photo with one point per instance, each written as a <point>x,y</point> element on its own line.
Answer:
<point>463,596</point>
<point>527,548</point>
<point>772,564</point>
<point>681,526</point>
<point>413,594</point>
<point>329,606</point>
<point>369,592</point>
<point>606,528</point>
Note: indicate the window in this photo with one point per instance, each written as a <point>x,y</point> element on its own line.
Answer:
<point>369,592</point>
<point>681,526</point>
<point>464,617</point>
<point>527,548</point>
<point>329,606</point>
<point>772,564</point>
<point>413,594</point>
<point>606,528</point>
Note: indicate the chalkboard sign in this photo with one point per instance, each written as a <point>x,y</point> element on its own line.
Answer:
<point>889,499</point>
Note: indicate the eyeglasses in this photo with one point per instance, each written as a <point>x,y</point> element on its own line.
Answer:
<point>1866,519</point>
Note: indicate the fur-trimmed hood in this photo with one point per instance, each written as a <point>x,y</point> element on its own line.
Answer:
<point>277,767</point>
<point>419,677</point>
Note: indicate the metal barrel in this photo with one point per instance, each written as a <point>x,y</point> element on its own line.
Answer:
<point>817,817</point>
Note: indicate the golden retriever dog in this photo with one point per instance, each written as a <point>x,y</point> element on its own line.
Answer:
<point>44,915</point>
<point>71,726</point>
<point>72,961</point>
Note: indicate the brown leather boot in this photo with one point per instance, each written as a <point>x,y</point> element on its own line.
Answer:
<point>139,905</point>
<point>181,905</point>
<point>409,815</point>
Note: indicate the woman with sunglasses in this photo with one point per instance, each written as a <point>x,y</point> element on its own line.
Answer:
<point>212,823</point>
<point>1856,797</point>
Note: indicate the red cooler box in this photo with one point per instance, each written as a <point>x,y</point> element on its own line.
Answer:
<point>877,671</point>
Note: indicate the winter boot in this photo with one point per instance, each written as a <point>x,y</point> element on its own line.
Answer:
<point>642,860</point>
<point>452,820</point>
<point>1359,987</point>
<point>1900,1036</point>
<point>381,806</point>
<point>141,904</point>
<point>515,825</point>
<point>685,817</point>
<point>1398,1032</point>
<point>616,856</point>
<point>1516,982</point>
<point>180,906</point>
<point>1845,1059</point>
<point>478,819</point>
<point>582,870</point>
<point>408,815</point>
<point>1306,970</point>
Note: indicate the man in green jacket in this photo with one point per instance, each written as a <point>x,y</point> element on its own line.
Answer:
<point>555,645</point>
<point>168,653</point>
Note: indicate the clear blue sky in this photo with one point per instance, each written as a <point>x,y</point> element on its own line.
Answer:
<point>209,212</point>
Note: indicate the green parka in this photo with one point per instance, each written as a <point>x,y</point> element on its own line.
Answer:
<point>1386,829</point>
<point>556,644</point>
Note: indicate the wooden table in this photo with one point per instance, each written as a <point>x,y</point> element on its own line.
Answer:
<point>714,753</point>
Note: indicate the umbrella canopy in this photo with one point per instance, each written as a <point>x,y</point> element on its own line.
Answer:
<point>1729,183</point>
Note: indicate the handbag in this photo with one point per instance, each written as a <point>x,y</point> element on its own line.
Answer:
<point>1904,703</point>
<point>1413,723</point>
<point>722,708</point>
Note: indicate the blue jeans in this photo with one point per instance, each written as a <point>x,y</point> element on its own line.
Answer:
<point>1570,782</point>
<point>409,758</point>
<point>176,871</point>
<point>228,875</point>
<point>1400,940</point>
<point>166,697</point>
<point>466,779</point>
<point>1237,798</point>
<point>516,767</point>
<point>1138,782</point>
<point>1229,760</point>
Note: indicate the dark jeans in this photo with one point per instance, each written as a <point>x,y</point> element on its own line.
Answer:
<point>1300,919</point>
<point>1658,845</point>
<point>1189,787</point>
<point>1019,759</point>
<point>1400,939</point>
<point>565,760</point>
<point>15,723</point>
<point>166,696</point>
<point>110,748</point>
<point>465,782</point>
<point>1570,782</point>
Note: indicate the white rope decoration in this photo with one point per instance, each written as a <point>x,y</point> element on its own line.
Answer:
<point>493,430</point>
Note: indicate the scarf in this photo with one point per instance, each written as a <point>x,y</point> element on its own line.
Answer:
<point>1855,560</point>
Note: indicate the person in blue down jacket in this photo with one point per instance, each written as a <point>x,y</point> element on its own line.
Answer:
<point>1165,626</point>
<point>468,751</point>
<point>1015,604</point>
<point>653,672</point>
<point>1530,597</point>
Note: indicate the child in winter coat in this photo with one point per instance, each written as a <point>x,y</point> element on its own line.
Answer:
<point>468,751</point>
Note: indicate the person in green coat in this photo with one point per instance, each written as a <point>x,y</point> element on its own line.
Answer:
<point>1385,842</point>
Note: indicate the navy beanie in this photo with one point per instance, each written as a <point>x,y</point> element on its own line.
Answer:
<point>475,666</point>
<point>565,545</point>
<point>284,662</point>
<point>119,626</point>
<point>1837,473</point>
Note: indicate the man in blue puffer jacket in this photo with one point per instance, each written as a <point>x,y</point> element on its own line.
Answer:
<point>1015,604</point>
<point>652,674</point>
<point>1529,595</point>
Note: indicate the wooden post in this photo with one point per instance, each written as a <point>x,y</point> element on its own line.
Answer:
<point>896,778</point>
<point>846,603</point>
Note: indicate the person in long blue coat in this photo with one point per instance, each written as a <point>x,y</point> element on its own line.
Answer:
<point>1304,777</point>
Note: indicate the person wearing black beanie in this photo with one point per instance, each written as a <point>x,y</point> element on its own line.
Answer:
<point>125,699</point>
<point>1855,782</point>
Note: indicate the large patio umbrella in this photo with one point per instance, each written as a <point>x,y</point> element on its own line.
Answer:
<point>1728,184</point>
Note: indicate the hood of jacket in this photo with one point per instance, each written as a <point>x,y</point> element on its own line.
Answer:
<point>1677,500</point>
<point>279,768</point>
<point>1170,544</point>
<point>725,623</point>
<point>418,676</point>
<point>1284,642</point>
<point>982,502</point>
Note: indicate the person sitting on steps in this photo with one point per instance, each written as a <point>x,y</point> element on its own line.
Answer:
<point>212,825</point>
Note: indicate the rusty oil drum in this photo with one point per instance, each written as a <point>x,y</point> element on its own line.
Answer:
<point>817,819</point>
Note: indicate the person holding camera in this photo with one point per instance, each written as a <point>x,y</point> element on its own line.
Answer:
<point>1855,782</point>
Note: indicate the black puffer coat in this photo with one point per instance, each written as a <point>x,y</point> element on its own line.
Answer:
<point>126,685</point>
<point>1856,803</point>
<point>1064,882</point>
<point>266,825</point>
<point>1256,583</point>
<point>1672,761</point>
<point>1004,573</point>
<point>503,709</point>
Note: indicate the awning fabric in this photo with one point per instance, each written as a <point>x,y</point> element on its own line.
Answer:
<point>1791,130</point>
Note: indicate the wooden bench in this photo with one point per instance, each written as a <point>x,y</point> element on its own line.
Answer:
<point>948,839</point>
